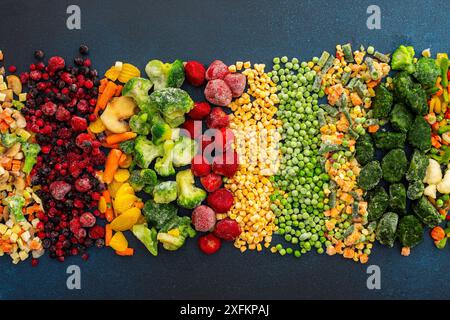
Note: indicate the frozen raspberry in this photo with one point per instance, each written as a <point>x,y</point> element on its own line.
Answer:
<point>87,220</point>
<point>62,114</point>
<point>211,182</point>
<point>97,232</point>
<point>83,106</point>
<point>220,200</point>
<point>83,185</point>
<point>56,63</point>
<point>200,111</point>
<point>217,70</point>
<point>59,189</point>
<point>195,73</point>
<point>217,119</point>
<point>49,108</point>
<point>78,124</point>
<point>200,166</point>
<point>227,229</point>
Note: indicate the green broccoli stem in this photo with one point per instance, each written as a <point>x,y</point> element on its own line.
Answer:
<point>444,68</point>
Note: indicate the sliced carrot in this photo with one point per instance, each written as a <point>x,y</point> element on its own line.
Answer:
<point>437,233</point>
<point>120,137</point>
<point>108,234</point>
<point>102,86</point>
<point>6,163</point>
<point>16,165</point>
<point>373,128</point>
<point>109,214</point>
<point>126,252</point>
<point>139,204</point>
<point>106,95</point>
<point>118,92</point>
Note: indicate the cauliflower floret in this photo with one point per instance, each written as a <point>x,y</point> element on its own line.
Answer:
<point>434,173</point>
<point>444,186</point>
<point>430,191</point>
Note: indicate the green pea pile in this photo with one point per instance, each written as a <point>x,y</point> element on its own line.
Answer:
<point>299,201</point>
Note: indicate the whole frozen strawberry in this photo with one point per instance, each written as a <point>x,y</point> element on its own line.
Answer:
<point>220,200</point>
<point>211,182</point>
<point>227,229</point>
<point>209,244</point>
<point>203,218</point>
<point>200,166</point>
<point>217,70</point>
<point>217,119</point>
<point>226,164</point>
<point>195,73</point>
<point>200,111</point>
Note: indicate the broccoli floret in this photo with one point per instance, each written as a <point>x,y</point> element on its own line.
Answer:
<point>139,123</point>
<point>417,99</point>
<point>184,151</point>
<point>146,152</point>
<point>397,195</point>
<point>402,83</point>
<point>161,132</point>
<point>138,89</point>
<point>174,233</point>
<point>127,146</point>
<point>427,213</point>
<point>165,75</point>
<point>15,204</point>
<point>417,167</point>
<point>420,137</point>
<point>189,196</point>
<point>382,102</point>
<point>378,203</point>
<point>401,118</point>
<point>165,192</point>
<point>402,59</point>
<point>173,104</point>
<point>427,71</point>
<point>159,214</point>
<point>410,231</point>
<point>139,179</point>
<point>394,165</point>
<point>370,175</point>
<point>415,190</point>
<point>10,139</point>
<point>389,140</point>
<point>147,237</point>
<point>30,151</point>
<point>164,166</point>
<point>364,150</point>
<point>386,229</point>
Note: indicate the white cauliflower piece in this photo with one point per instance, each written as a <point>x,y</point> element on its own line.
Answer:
<point>433,174</point>
<point>444,186</point>
<point>430,191</point>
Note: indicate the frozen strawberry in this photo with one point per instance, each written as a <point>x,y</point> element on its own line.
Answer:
<point>236,82</point>
<point>59,189</point>
<point>78,123</point>
<point>200,166</point>
<point>211,182</point>
<point>217,92</point>
<point>203,218</point>
<point>192,128</point>
<point>200,111</point>
<point>207,147</point>
<point>195,73</point>
<point>227,229</point>
<point>217,70</point>
<point>224,140</point>
<point>226,164</point>
<point>209,244</point>
<point>220,200</point>
<point>217,119</point>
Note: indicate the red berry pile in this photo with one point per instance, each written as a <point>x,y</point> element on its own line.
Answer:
<point>59,105</point>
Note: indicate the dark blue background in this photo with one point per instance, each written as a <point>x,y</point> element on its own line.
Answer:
<point>136,31</point>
